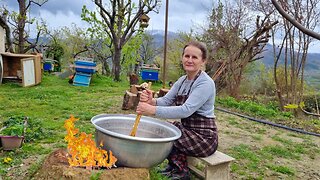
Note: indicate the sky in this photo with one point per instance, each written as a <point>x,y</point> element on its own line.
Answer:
<point>182,15</point>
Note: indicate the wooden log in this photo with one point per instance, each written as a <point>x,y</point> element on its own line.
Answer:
<point>163,92</point>
<point>134,79</point>
<point>134,89</point>
<point>129,100</point>
<point>136,101</point>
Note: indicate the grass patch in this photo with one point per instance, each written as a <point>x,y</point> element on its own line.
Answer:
<point>252,162</point>
<point>269,110</point>
<point>49,104</point>
<point>279,151</point>
<point>233,121</point>
<point>257,137</point>
<point>282,140</point>
<point>281,169</point>
<point>95,175</point>
<point>35,167</point>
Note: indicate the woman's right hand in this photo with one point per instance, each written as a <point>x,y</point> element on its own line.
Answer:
<point>146,109</point>
<point>146,96</point>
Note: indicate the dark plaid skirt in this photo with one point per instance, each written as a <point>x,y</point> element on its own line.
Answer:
<point>199,136</point>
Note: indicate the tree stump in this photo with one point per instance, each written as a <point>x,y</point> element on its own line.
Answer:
<point>163,92</point>
<point>129,101</point>
<point>134,79</point>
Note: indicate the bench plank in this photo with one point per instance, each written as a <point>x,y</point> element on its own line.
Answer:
<point>217,158</point>
<point>216,166</point>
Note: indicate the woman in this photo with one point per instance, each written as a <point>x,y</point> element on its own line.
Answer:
<point>193,96</point>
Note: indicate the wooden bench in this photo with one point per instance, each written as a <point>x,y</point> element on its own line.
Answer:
<point>216,166</point>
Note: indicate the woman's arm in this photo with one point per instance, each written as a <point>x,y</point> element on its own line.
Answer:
<point>203,92</point>
<point>169,98</point>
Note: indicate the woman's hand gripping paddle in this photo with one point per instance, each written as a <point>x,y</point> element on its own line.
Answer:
<point>136,122</point>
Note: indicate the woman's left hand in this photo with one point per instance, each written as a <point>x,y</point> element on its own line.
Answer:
<point>145,109</point>
<point>146,96</point>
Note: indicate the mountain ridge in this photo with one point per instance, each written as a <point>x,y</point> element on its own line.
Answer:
<point>312,66</point>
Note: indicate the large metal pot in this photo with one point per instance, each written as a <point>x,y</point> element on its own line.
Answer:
<point>151,145</point>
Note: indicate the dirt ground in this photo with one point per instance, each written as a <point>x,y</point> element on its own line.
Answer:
<point>56,167</point>
<point>243,132</point>
<point>233,131</point>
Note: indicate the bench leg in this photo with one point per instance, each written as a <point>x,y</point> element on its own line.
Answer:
<point>219,172</point>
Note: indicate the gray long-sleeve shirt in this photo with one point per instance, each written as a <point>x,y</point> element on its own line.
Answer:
<point>201,98</point>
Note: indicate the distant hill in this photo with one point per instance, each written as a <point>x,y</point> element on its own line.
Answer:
<point>158,36</point>
<point>312,64</point>
<point>312,67</point>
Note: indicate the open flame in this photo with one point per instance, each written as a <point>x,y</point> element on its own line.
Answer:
<point>82,149</point>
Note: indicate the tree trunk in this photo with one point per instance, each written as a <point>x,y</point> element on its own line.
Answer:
<point>5,26</point>
<point>21,24</point>
<point>105,68</point>
<point>116,68</point>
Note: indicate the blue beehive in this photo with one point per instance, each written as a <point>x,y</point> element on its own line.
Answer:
<point>85,66</point>
<point>82,79</point>
<point>150,73</point>
<point>48,66</point>
<point>84,70</point>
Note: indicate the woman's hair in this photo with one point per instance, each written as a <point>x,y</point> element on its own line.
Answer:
<point>199,45</point>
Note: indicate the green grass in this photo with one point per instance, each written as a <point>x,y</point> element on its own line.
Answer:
<point>233,121</point>
<point>253,161</point>
<point>50,103</point>
<point>279,151</point>
<point>281,169</point>
<point>269,112</point>
<point>36,166</point>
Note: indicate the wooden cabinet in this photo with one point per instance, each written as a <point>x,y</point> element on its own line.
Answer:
<point>22,68</point>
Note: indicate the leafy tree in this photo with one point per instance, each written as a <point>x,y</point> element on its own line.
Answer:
<point>174,54</point>
<point>66,43</point>
<point>119,21</point>
<point>131,56</point>
<point>147,50</point>
<point>16,22</point>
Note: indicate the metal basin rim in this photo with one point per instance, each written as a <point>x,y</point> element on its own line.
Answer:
<point>150,120</point>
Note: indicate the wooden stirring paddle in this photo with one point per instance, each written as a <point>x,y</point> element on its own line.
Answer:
<point>136,122</point>
<point>135,126</point>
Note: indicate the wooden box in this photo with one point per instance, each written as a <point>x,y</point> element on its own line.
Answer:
<point>22,68</point>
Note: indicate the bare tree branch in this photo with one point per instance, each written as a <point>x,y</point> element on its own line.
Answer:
<point>294,21</point>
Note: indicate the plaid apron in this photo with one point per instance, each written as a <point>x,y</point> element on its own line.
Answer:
<point>199,136</point>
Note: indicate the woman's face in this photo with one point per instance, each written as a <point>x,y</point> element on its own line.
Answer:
<point>192,59</point>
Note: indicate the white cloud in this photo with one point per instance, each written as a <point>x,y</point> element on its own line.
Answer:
<point>60,19</point>
<point>57,20</point>
<point>182,15</point>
